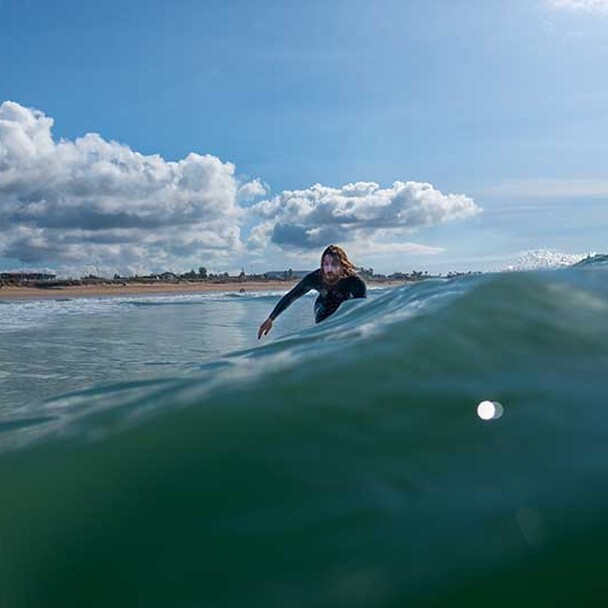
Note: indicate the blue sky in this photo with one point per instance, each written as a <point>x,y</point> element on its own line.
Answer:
<point>232,134</point>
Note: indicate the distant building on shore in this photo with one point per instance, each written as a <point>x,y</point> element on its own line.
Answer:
<point>285,274</point>
<point>24,277</point>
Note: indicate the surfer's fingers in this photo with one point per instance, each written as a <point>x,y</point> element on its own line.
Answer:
<point>264,329</point>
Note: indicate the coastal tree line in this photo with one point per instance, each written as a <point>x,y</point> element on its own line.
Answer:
<point>34,279</point>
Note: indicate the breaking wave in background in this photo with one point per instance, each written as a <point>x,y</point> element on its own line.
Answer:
<point>546,259</point>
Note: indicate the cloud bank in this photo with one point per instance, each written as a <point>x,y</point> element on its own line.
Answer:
<point>363,211</point>
<point>97,205</point>
<point>96,202</point>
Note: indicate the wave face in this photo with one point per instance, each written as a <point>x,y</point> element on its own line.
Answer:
<point>341,465</point>
<point>598,260</point>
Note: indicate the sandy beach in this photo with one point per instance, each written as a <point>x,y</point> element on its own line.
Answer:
<point>109,289</point>
<point>138,289</point>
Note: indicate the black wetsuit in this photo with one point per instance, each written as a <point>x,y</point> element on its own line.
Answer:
<point>330,296</point>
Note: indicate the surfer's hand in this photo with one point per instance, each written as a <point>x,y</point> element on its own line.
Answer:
<point>265,328</point>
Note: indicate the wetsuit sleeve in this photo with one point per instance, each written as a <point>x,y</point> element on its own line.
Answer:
<point>303,287</point>
<point>358,288</point>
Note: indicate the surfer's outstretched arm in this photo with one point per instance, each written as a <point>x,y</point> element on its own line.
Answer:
<point>303,287</point>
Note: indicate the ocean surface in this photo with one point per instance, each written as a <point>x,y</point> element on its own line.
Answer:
<point>153,453</point>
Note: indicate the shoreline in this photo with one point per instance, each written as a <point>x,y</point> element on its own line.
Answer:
<point>160,288</point>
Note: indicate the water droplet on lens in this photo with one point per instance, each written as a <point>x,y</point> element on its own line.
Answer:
<point>498,410</point>
<point>490,410</point>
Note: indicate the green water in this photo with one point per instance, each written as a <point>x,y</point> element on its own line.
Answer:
<point>341,465</point>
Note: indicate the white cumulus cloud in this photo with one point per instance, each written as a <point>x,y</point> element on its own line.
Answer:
<point>252,190</point>
<point>359,212</point>
<point>96,202</point>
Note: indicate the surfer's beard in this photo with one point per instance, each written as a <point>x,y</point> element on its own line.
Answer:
<point>332,278</point>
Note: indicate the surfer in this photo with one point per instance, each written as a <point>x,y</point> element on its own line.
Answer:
<point>336,282</point>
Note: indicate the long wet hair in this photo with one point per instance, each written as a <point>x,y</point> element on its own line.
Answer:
<point>348,268</point>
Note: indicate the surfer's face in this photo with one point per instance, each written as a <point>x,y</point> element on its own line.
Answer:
<point>331,269</point>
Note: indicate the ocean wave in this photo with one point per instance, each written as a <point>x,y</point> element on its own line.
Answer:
<point>342,465</point>
<point>599,260</point>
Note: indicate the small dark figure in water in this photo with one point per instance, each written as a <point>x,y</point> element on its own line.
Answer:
<point>336,282</point>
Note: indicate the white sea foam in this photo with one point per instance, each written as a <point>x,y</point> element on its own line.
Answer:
<point>24,314</point>
<point>545,259</point>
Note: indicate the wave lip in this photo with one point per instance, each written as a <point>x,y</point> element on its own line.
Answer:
<point>599,260</point>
